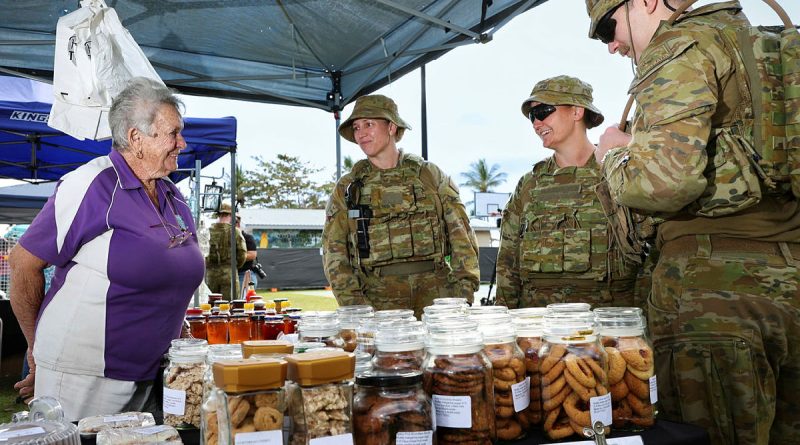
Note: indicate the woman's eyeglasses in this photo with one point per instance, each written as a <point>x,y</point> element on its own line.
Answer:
<point>540,112</point>
<point>177,235</point>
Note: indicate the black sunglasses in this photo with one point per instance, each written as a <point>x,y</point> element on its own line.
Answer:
<point>606,27</point>
<point>541,112</point>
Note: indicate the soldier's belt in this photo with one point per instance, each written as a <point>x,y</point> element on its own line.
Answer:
<point>558,283</point>
<point>408,268</point>
<point>689,245</point>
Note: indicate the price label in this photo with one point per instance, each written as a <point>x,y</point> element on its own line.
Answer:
<point>259,437</point>
<point>600,409</point>
<point>174,401</point>
<point>521,394</point>
<point>453,411</point>
<point>415,438</point>
<point>653,389</point>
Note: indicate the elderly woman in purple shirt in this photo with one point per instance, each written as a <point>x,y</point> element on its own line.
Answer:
<point>127,262</point>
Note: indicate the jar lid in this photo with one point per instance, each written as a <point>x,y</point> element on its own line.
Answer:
<point>279,300</point>
<point>394,313</point>
<point>450,301</point>
<point>569,307</point>
<point>477,310</point>
<point>620,321</point>
<point>224,307</point>
<point>250,347</point>
<point>179,343</point>
<point>195,317</point>
<point>249,307</point>
<point>355,309</point>
<point>305,346</point>
<point>239,314</point>
<point>194,311</point>
<point>292,309</point>
<point>235,376</point>
<point>382,380</point>
<point>205,307</point>
<point>220,301</point>
<point>321,366</point>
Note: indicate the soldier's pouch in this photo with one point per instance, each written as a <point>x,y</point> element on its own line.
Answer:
<point>542,251</point>
<point>423,236</point>
<point>577,250</point>
<point>400,238</point>
<point>710,379</point>
<point>380,247</point>
<point>733,184</point>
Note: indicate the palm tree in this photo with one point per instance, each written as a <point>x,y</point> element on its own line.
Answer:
<point>483,178</point>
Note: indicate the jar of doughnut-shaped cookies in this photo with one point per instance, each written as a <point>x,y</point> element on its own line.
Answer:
<point>399,347</point>
<point>321,395</point>
<point>391,408</point>
<point>209,424</point>
<point>349,319</point>
<point>572,366</point>
<point>529,326</point>
<point>511,385</point>
<point>631,376</point>
<point>457,375</point>
<point>251,400</point>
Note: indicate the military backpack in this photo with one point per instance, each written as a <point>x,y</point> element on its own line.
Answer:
<point>219,245</point>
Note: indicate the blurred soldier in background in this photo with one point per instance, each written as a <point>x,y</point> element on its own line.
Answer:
<point>394,220</point>
<point>218,261</point>
<point>556,245</point>
<point>723,312</point>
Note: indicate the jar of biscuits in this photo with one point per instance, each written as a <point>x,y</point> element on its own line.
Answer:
<point>631,375</point>
<point>349,319</point>
<point>529,326</point>
<point>572,365</point>
<point>458,377</point>
<point>321,326</point>
<point>511,384</point>
<point>251,400</point>
<point>321,395</point>
<point>209,425</point>
<point>390,409</point>
<point>399,347</point>
<point>183,385</point>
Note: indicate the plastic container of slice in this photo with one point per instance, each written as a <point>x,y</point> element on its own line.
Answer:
<point>43,432</point>
<point>139,435</point>
<point>90,426</point>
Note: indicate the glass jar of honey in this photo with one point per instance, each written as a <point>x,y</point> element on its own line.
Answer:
<point>239,328</point>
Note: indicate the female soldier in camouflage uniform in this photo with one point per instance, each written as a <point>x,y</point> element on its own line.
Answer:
<point>724,311</point>
<point>392,221</point>
<point>555,243</point>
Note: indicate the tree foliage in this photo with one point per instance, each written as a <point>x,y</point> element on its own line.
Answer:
<point>483,178</point>
<point>283,183</point>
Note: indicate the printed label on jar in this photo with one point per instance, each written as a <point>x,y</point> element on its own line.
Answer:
<point>150,430</point>
<point>260,437</point>
<point>121,417</point>
<point>415,438</point>
<point>653,389</point>
<point>22,433</point>
<point>521,393</point>
<point>174,401</point>
<point>453,411</point>
<point>341,439</point>
<point>600,409</point>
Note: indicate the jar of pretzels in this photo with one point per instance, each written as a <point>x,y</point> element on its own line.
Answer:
<point>511,385</point>
<point>529,326</point>
<point>251,400</point>
<point>572,366</point>
<point>390,409</point>
<point>183,385</point>
<point>631,376</point>
<point>457,375</point>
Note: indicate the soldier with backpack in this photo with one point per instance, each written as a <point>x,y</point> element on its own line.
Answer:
<point>218,261</point>
<point>396,234</point>
<point>724,312</point>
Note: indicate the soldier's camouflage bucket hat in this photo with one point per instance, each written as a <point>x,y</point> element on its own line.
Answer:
<point>596,10</point>
<point>374,106</point>
<point>565,90</point>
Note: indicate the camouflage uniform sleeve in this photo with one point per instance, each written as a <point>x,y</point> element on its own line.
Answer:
<point>343,278</point>
<point>508,282</point>
<point>661,170</point>
<point>463,242</point>
<point>241,249</point>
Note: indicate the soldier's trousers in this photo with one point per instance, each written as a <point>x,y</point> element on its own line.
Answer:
<point>724,316</point>
<point>218,281</point>
<point>414,291</point>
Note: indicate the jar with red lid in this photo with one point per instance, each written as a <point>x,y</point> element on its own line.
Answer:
<point>273,325</point>
<point>213,298</point>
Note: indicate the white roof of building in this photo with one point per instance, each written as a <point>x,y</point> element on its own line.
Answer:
<point>310,219</point>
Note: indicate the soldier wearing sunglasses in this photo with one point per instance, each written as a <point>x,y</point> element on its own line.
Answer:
<point>555,239</point>
<point>724,312</point>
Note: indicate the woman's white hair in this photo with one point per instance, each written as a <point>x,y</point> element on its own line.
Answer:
<point>136,107</point>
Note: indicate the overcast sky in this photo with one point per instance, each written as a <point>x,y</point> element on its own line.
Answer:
<point>474,98</point>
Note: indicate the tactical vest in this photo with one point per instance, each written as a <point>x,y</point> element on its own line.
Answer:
<point>564,231</point>
<point>219,245</point>
<point>406,222</point>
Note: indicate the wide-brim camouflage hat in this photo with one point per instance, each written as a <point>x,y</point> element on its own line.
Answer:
<point>565,90</point>
<point>596,10</point>
<point>224,209</point>
<point>372,107</point>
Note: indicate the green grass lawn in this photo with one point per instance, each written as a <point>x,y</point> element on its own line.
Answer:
<point>308,300</point>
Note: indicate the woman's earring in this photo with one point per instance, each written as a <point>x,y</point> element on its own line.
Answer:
<point>139,154</point>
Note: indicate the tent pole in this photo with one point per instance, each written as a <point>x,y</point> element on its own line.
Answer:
<point>337,119</point>
<point>234,269</point>
<point>196,213</point>
<point>424,113</point>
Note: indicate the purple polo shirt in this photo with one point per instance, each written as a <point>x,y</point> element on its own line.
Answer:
<point>119,294</point>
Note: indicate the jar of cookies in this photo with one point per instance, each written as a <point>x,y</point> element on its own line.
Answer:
<point>251,400</point>
<point>321,395</point>
<point>322,327</point>
<point>183,385</point>
<point>631,375</point>
<point>399,347</point>
<point>511,385</point>
<point>458,377</point>
<point>529,326</point>
<point>573,375</point>
<point>390,409</point>
<point>209,425</point>
<point>349,319</point>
